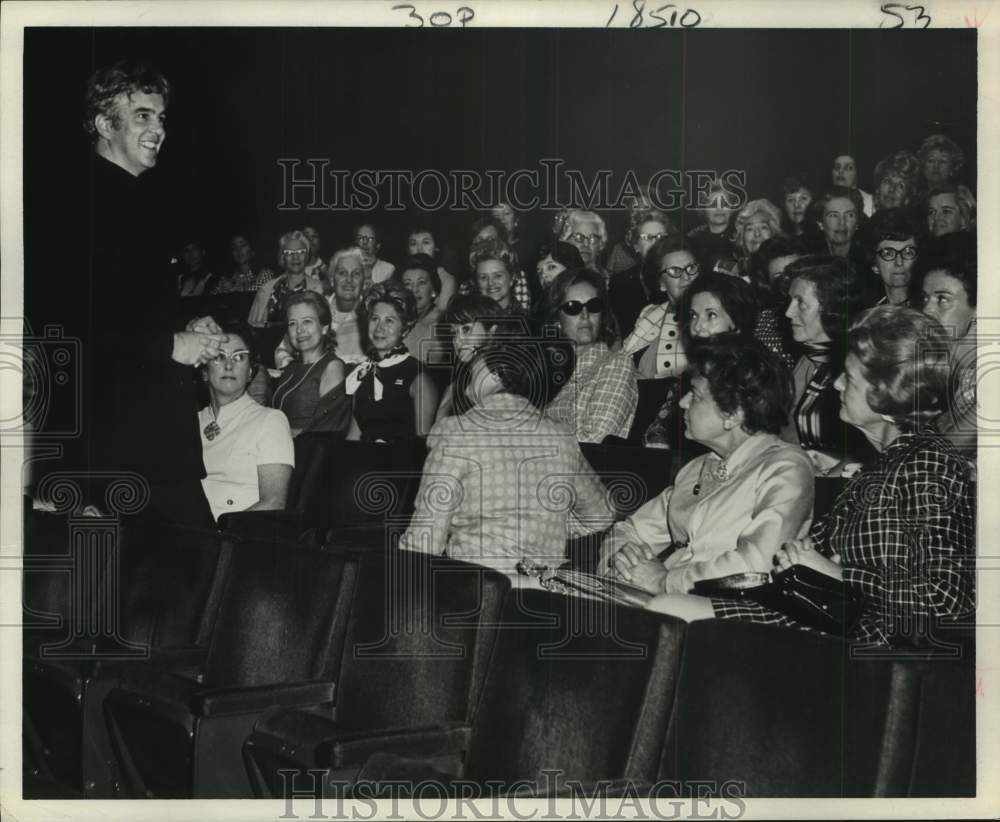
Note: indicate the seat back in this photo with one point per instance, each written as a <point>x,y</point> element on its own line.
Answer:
<point>421,632</point>
<point>633,475</point>
<point>312,456</point>
<point>171,583</point>
<point>283,615</point>
<point>368,483</point>
<point>576,685</point>
<point>787,713</point>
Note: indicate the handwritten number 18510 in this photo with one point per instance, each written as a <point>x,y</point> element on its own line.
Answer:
<point>665,16</point>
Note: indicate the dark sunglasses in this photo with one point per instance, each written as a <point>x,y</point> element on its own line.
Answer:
<point>595,305</point>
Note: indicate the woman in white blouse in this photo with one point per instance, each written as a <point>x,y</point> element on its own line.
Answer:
<point>247,448</point>
<point>728,511</point>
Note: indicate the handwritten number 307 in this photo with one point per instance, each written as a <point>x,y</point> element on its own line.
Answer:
<point>889,9</point>
<point>439,19</point>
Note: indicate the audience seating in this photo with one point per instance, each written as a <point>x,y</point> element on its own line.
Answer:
<point>790,713</point>
<point>167,595</point>
<point>420,636</point>
<point>277,641</point>
<point>574,684</point>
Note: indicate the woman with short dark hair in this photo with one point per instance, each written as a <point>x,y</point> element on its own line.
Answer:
<point>494,484</point>
<point>394,399</point>
<point>729,510</point>
<point>600,397</point>
<point>247,448</point>
<point>944,285</point>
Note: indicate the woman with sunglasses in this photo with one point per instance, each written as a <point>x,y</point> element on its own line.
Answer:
<point>669,268</point>
<point>247,448</point>
<point>268,307</point>
<point>600,398</point>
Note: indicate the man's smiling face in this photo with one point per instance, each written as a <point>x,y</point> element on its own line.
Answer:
<point>135,142</point>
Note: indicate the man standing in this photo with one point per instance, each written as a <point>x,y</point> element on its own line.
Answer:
<point>140,405</point>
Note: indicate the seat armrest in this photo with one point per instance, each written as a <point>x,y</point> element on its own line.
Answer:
<point>233,701</point>
<point>281,525</point>
<point>353,748</point>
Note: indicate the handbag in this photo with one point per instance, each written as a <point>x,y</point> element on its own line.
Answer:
<point>565,581</point>
<point>809,597</point>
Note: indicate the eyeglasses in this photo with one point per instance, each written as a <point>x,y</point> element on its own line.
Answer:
<point>364,239</point>
<point>652,238</point>
<point>585,239</point>
<point>595,305</point>
<point>295,252</point>
<point>890,255</point>
<point>675,272</point>
<point>239,356</point>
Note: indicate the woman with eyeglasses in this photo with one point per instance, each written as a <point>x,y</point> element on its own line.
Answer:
<point>757,221</point>
<point>895,252</point>
<point>626,289</point>
<point>600,397</point>
<point>247,448</point>
<point>587,232</point>
<point>268,306</point>
<point>304,389</point>
<point>366,238</point>
<point>669,268</point>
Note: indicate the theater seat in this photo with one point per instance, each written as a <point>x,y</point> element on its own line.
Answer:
<point>632,474</point>
<point>421,632</point>
<point>787,713</point>
<point>315,463</point>
<point>574,686</point>
<point>167,595</point>
<point>277,641</point>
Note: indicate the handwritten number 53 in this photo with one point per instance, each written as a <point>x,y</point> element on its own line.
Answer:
<point>890,10</point>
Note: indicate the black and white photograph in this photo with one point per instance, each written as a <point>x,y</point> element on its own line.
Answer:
<point>522,409</point>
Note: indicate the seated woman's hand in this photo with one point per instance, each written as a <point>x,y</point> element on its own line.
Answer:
<point>800,552</point>
<point>638,565</point>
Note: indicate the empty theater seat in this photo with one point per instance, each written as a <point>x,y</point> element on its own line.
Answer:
<point>421,633</point>
<point>166,596</point>
<point>277,641</point>
<point>574,685</point>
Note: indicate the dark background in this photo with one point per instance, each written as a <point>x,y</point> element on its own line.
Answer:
<point>767,102</point>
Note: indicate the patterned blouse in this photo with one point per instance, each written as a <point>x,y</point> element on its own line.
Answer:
<point>495,488</point>
<point>600,397</point>
<point>905,533</point>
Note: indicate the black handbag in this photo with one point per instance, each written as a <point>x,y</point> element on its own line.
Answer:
<point>809,597</point>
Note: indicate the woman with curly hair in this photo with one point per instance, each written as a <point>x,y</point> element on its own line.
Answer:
<point>730,510</point>
<point>394,399</point>
<point>756,222</point>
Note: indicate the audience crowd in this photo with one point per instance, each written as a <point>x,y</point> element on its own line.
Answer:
<point>829,332</point>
